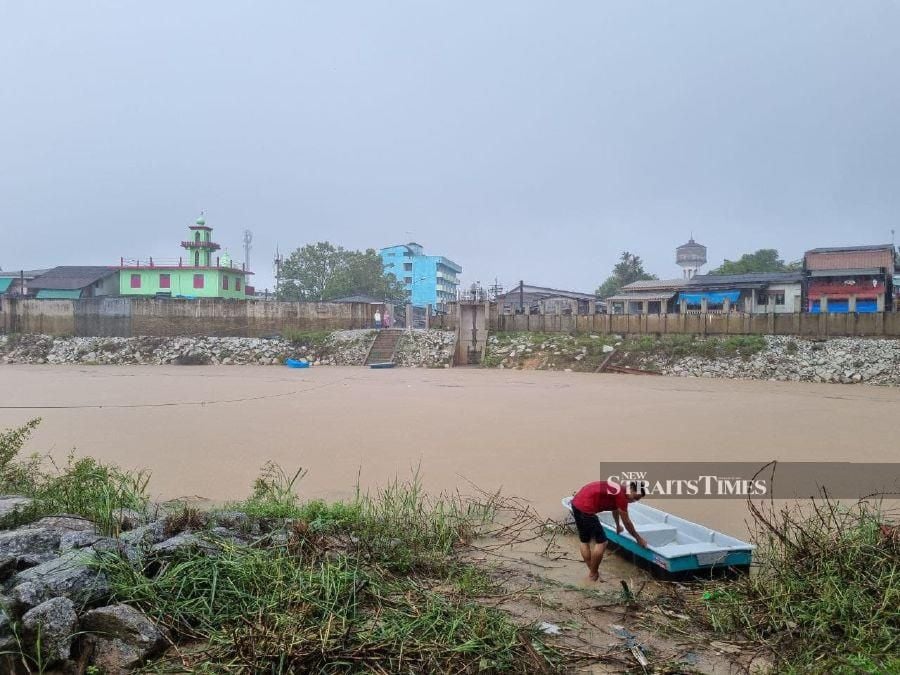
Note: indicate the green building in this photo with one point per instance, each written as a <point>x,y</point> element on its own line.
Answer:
<point>197,274</point>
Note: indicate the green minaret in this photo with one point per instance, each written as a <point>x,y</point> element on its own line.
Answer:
<point>200,245</point>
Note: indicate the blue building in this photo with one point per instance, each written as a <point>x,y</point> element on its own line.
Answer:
<point>429,279</point>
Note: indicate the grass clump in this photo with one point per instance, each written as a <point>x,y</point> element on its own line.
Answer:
<point>355,587</point>
<point>673,347</point>
<point>312,339</point>
<point>83,486</point>
<point>826,597</point>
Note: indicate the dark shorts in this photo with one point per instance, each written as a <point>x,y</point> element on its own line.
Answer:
<point>589,527</point>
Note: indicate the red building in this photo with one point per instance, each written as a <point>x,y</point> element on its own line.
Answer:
<point>849,278</point>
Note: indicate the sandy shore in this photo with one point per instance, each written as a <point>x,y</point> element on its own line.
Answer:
<point>206,431</point>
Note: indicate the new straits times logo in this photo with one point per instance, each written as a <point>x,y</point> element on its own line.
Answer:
<point>701,486</point>
<point>749,480</point>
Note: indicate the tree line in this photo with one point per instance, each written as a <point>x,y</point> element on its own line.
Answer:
<point>322,271</point>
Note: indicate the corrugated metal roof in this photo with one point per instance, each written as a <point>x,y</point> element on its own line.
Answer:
<point>750,278</point>
<point>850,257</point>
<point>58,294</point>
<point>71,277</point>
<point>655,284</point>
<point>543,292</point>
<point>641,295</point>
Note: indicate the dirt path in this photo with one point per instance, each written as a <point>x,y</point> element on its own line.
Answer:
<point>205,431</point>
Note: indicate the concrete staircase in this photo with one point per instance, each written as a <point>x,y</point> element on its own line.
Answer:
<point>382,350</point>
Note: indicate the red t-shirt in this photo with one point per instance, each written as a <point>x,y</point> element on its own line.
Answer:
<point>600,496</point>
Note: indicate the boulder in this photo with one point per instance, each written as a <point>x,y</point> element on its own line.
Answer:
<point>71,576</point>
<point>13,503</point>
<point>28,546</point>
<point>122,637</point>
<point>49,629</point>
<point>181,542</point>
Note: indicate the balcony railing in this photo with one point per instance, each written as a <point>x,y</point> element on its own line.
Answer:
<point>129,263</point>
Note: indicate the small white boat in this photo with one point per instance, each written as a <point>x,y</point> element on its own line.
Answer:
<point>675,544</point>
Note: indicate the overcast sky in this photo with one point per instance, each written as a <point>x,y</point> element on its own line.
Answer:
<point>522,139</point>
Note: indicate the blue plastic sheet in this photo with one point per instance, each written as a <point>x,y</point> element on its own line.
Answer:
<point>712,297</point>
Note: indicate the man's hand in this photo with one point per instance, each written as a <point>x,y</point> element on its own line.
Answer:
<point>619,528</point>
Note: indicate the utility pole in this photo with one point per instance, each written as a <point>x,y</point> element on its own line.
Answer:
<point>278,262</point>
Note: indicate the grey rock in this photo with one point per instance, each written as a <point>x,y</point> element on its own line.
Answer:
<point>183,541</point>
<point>146,535</point>
<point>50,627</point>
<point>124,637</point>
<point>71,576</point>
<point>10,504</point>
<point>28,542</point>
<point>64,523</point>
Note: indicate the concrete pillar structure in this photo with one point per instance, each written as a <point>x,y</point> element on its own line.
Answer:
<point>704,304</point>
<point>823,304</point>
<point>880,302</point>
<point>726,305</point>
<point>851,304</point>
<point>645,307</point>
<point>770,305</point>
<point>682,306</point>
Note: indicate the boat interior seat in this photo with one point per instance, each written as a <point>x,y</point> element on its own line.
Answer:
<point>657,534</point>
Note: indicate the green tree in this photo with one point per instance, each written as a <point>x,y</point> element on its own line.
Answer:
<point>630,268</point>
<point>763,260</point>
<point>322,271</point>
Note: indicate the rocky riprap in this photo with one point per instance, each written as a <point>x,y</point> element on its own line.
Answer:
<point>542,351</point>
<point>839,360</point>
<point>339,348</point>
<point>57,606</point>
<point>426,349</point>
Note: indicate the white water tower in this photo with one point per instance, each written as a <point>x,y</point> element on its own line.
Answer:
<point>690,258</point>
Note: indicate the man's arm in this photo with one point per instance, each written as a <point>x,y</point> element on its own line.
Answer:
<point>626,520</point>
<point>618,521</point>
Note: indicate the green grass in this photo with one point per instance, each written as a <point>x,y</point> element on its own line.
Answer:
<point>826,595</point>
<point>313,339</point>
<point>356,588</point>
<point>83,486</point>
<point>674,347</point>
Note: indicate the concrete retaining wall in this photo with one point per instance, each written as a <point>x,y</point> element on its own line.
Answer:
<point>127,317</point>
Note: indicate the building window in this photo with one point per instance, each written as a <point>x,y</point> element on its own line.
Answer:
<point>224,282</point>
<point>135,280</point>
<point>407,267</point>
<point>407,280</point>
<point>196,258</point>
<point>197,237</point>
<point>198,281</point>
<point>165,281</point>
<point>237,283</point>
<point>779,298</point>
<point>763,299</point>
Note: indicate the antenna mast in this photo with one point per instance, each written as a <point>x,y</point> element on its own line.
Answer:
<point>248,240</point>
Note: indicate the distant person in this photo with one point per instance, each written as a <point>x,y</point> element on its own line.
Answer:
<point>387,319</point>
<point>603,496</point>
<point>377,318</point>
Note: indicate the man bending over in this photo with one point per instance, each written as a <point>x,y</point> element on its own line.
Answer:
<point>603,496</point>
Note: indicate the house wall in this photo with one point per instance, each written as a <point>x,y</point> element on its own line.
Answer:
<point>182,282</point>
<point>792,299</point>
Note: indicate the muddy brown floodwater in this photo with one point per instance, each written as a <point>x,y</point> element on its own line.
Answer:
<point>205,431</point>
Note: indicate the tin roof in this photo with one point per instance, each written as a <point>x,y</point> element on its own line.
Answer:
<point>655,284</point>
<point>753,278</point>
<point>638,296</point>
<point>71,277</point>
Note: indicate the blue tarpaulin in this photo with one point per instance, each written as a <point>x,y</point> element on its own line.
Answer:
<point>712,297</point>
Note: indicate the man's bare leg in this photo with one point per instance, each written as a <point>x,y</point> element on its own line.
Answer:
<point>594,564</point>
<point>586,554</point>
